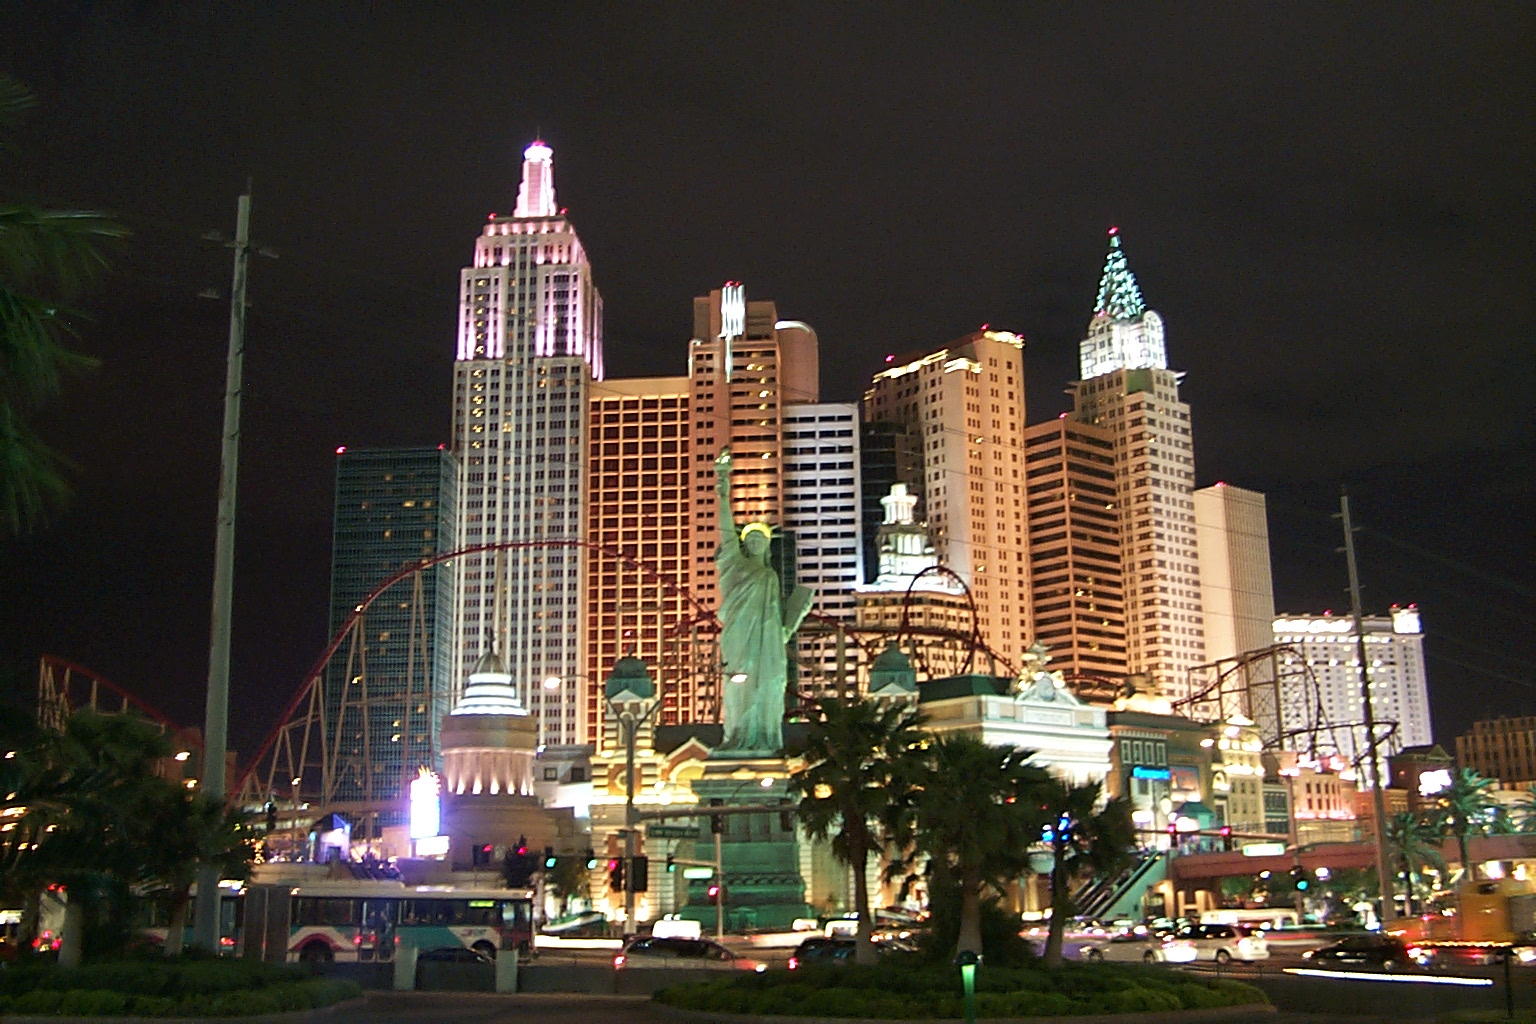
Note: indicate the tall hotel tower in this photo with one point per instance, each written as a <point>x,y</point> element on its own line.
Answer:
<point>529,348</point>
<point>955,419</point>
<point>1128,390</point>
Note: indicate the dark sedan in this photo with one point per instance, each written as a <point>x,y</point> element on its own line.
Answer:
<point>1380,952</point>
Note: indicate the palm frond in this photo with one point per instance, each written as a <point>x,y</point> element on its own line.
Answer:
<point>62,248</point>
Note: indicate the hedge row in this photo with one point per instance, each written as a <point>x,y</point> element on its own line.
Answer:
<point>160,977</point>
<point>879,993</point>
<point>85,1002</point>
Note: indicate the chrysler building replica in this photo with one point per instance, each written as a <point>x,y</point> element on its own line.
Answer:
<point>1128,390</point>
<point>529,348</point>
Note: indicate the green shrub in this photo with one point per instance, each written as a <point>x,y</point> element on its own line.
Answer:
<point>40,1000</point>
<point>1138,1000</point>
<point>151,1006</point>
<point>90,1002</point>
<point>1023,1004</point>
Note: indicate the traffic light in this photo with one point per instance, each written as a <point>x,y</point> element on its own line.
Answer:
<point>481,854</point>
<point>591,859</point>
<point>713,892</point>
<point>522,846</point>
<point>549,858</point>
<point>639,873</point>
<point>517,866</point>
<point>1226,837</point>
<point>616,874</point>
<point>716,821</point>
<point>671,863</point>
<point>1299,878</point>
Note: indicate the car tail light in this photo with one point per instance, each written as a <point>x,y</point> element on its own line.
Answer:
<point>760,967</point>
<point>794,963</point>
<point>618,961</point>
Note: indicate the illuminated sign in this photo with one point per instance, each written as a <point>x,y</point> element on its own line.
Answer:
<point>733,310</point>
<point>1263,849</point>
<point>426,813</point>
<point>1143,772</point>
<point>1434,781</point>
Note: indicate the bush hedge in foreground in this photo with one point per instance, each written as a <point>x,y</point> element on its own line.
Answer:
<point>898,992</point>
<point>167,988</point>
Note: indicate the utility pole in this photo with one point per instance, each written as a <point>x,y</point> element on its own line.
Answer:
<point>205,934</point>
<point>1378,782</point>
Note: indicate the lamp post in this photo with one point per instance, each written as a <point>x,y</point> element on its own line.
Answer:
<point>717,828</point>
<point>632,698</point>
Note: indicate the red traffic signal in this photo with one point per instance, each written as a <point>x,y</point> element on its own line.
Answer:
<point>713,893</point>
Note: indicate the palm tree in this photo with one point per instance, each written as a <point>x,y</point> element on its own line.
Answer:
<point>1523,812</point>
<point>1461,805</point>
<point>973,815</point>
<point>1083,837</point>
<point>858,756</point>
<point>74,797</point>
<point>46,258</point>
<point>1414,843</point>
<point>179,832</point>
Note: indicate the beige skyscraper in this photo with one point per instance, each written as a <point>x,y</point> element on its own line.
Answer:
<point>1128,390</point>
<point>1237,593</point>
<point>638,512</point>
<point>744,366</point>
<point>1075,553</point>
<point>959,414</point>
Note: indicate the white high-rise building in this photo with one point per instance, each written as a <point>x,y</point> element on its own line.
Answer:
<point>1328,645</point>
<point>1128,389</point>
<point>529,347</point>
<point>820,451</point>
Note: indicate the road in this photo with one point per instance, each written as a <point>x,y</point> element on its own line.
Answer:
<point>1387,999</point>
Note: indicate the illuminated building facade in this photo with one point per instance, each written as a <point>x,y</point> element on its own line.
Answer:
<point>1501,748</point>
<point>638,464</point>
<point>1394,646</point>
<point>1075,553</point>
<point>934,603</point>
<point>393,507</point>
<point>529,348</point>
<point>1128,390</point>
<point>956,415</point>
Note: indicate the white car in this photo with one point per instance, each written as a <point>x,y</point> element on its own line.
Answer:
<point>693,954</point>
<point>1222,943</point>
<point>1134,949</point>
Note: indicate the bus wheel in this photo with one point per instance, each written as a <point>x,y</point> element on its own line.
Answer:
<point>485,948</point>
<point>316,953</point>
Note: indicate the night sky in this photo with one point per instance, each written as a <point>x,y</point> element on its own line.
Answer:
<point>1330,204</point>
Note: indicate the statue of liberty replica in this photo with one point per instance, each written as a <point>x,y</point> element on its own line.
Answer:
<point>756,624</point>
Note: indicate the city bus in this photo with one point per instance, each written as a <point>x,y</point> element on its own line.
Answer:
<point>366,920</point>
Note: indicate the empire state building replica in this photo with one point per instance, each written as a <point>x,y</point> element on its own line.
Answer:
<point>529,348</point>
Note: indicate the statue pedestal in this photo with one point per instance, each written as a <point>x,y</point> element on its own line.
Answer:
<point>761,852</point>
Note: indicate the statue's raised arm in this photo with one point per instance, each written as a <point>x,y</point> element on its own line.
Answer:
<point>729,535</point>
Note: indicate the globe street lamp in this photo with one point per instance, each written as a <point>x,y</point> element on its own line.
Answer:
<point>631,696</point>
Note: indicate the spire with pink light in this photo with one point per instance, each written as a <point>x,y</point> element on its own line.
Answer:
<point>536,195</point>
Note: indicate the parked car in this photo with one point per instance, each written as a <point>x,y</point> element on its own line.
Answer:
<point>1134,948</point>
<point>697,954</point>
<point>454,955</point>
<point>1222,943</point>
<point>822,949</point>
<point>1383,952</point>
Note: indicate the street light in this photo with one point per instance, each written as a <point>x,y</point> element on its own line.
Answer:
<point>632,698</point>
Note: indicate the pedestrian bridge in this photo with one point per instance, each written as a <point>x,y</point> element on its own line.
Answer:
<point>1194,868</point>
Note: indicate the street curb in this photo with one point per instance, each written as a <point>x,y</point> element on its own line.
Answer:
<point>1210,1015</point>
